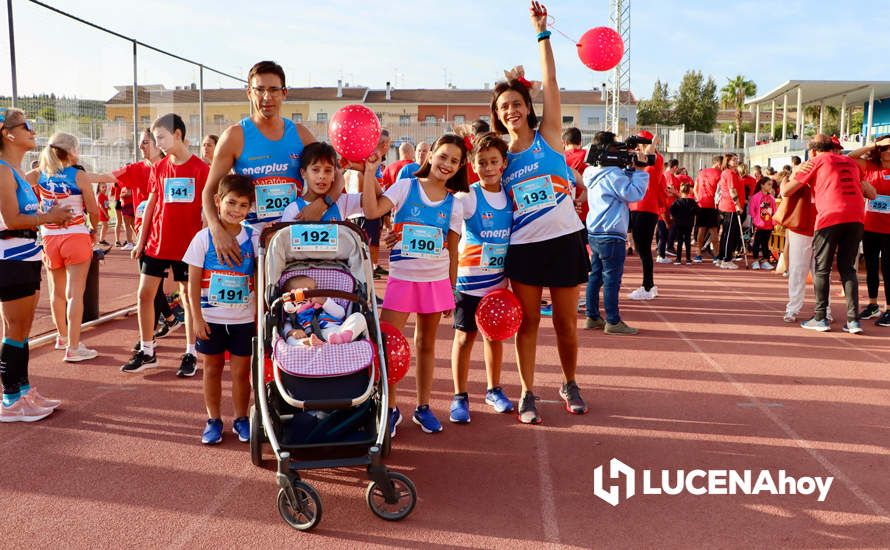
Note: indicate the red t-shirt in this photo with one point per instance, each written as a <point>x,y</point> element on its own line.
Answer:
<point>673,181</point>
<point>391,171</point>
<point>706,187</point>
<point>877,217</point>
<point>177,213</point>
<point>655,198</point>
<point>835,180</point>
<point>750,183</point>
<point>575,159</point>
<point>135,178</point>
<point>102,199</point>
<point>729,178</point>
<point>684,178</point>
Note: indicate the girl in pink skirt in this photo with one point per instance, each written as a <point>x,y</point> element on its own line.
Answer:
<point>423,262</point>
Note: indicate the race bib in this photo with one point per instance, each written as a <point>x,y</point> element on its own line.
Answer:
<point>879,204</point>
<point>422,241</point>
<point>313,237</point>
<point>179,189</point>
<point>227,290</point>
<point>273,198</point>
<point>493,256</point>
<point>533,195</point>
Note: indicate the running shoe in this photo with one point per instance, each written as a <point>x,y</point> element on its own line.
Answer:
<point>640,294</point>
<point>241,428</point>
<point>594,324</point>
<point>188,366</point>
<point>528,412</point>
<point>380,271</point>
<point>717,262</point>
<point>103,242</point>
<point>817,325</point>
<point>870,312</point>
<point>139,362</point>
<point>790,317</point>
<point>80,353</point>
<point>654,291</point>
<point>663,260</point>
<point>61,343</point>
<point>41,401</point>
<point>728,265</point>
<point>620,329</point>
<point>395,418</point>
<point>460,409</point>
<point>167,327</point>
<point>571,394</point>
<point>765,265</point>
<point>697,259</point>
<point>678,262</point>
<point>853,327</point>
<point>427,421</point>
<point>498,401</point>
<point>23,410</point>
<point>128,247</point>
<point>755,265</point>
<point>884,319</point>
<point>213,431</point>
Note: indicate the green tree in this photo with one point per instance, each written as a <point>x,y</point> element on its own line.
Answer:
<point>47,113</point>
<point>656,109</point>
<point>733,96</point>
<point>696,105</point>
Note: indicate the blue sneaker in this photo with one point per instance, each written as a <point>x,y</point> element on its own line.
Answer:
<point>853,327</point>
<point>395,418</point>
<point>241,427</point>
<point>427,421</point>
<point>460,410</point>
<point>547,311</point>
<point>813,324</point>
<point>496,398</point>
<point>697,259</point>
<point>212,432</point>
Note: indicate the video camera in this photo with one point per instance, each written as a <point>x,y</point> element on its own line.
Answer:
<point>605,151</point>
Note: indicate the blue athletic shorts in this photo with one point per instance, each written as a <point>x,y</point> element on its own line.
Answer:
<point>236,339</point>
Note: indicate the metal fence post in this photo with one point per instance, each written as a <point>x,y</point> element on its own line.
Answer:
<point>12,71</point>
<point>135,106</point>
<point>201,103</point>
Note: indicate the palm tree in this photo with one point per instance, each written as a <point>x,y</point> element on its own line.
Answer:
<point>733,96</point>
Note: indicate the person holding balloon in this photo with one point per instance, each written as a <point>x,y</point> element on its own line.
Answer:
<point>423,263</point>
<point>488,215</point>
<point>546,248</point>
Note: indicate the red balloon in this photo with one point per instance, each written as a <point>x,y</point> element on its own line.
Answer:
<point>601,48</point>
<point>499,315</point>
<point>398,354</point>
<point>354,131</point>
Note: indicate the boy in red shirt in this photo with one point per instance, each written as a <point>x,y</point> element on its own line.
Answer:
<point>708,218</point>
<point>172,218</point>
<point>838,188</point>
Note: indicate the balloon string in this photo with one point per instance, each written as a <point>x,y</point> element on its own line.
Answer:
<point>552,26</point>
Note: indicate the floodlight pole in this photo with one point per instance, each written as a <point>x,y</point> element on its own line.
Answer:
<point>12,71</point>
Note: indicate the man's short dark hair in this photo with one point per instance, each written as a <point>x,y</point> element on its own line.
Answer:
<point>266,67</point>
<point>795,160</point>
<point>673,163</point>
<point>480,127</point>
<point>572,136</point>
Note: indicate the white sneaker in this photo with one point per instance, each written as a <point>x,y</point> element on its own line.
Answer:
<point>640,294</point>
<point>80,353</point>
<point>653,292</point>
<point>23,411</point>
<point>718,263</point>
<point>790,317</point>
<point>766,265</point>
<point>663,260</point>
<point>61,343</point>
<point>728,265</point>
<point>128,247</point>
<point>755,265</point>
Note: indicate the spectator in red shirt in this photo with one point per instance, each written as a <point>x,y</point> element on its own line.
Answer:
<point>838,188</point>
<point>666,237</point>
<point>874,160</point>
<point>391,172</point>
<point>575,155</point>
<point>749,181</point>
<point>731,204</point>
<point>708,217</point>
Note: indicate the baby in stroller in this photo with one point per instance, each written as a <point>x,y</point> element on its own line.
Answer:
<point>314,321</point>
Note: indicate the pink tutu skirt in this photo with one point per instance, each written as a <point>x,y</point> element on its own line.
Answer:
<point>412,297</point>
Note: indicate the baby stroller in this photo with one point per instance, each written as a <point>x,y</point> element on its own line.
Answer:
<point>322,406</point>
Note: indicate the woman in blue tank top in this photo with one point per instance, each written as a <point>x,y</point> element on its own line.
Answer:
<point>546,243</point>
<point>20,263</point>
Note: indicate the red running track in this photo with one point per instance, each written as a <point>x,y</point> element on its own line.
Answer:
<point>715,380</point>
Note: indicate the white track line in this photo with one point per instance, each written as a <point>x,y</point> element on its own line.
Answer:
<point>548,505</point>
<point>789,431</point>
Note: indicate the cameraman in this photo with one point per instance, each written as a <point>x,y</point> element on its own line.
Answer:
<point>612,182</point>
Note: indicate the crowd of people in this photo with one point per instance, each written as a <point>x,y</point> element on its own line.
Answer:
<point>533,211</point>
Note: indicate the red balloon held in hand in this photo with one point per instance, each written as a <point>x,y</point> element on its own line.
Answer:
<point>499,314</point>
<point>601,48</point>
<point>398,354</point>
<point>354,131</point>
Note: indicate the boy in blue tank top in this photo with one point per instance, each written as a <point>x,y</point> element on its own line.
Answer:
<point>223,301</point>
<point>318,168</point>
<point>488,216</point>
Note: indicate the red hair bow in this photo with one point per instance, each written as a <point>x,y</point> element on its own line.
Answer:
<point>468,143</point>
<point>522,80</point>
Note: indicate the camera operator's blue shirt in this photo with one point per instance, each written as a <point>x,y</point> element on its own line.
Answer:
<point>609,190</point>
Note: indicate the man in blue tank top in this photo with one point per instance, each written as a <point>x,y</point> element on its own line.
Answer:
<point>265,147</point>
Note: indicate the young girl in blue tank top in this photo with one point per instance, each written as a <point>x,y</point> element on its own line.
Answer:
<point>488,216</point>
<point>423,264</point>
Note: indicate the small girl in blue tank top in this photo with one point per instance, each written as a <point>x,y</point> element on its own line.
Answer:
<point>423,264</point>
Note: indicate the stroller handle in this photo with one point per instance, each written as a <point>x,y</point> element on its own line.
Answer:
<point>300,294</point>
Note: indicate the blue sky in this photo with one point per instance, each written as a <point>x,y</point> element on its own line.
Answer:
<point>421,43</point>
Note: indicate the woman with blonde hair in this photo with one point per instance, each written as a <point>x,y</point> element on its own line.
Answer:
<point>68,248</point>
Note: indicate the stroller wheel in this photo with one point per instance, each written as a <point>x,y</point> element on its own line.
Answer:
<point>256,437</point>
<point>403,503</point>
<point>305,513</point>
